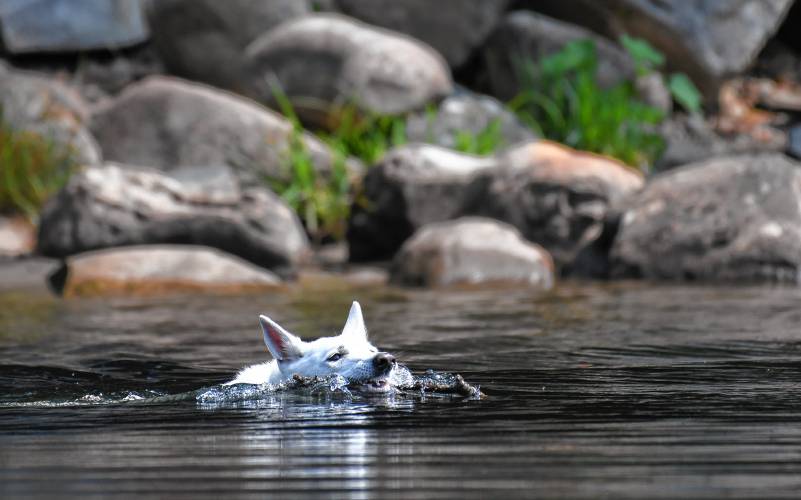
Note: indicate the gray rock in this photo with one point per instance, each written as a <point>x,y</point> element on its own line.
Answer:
<point>38,104</point>
<point>114,205</point>
<point>466,112</point>
<point>690,138</point>
<point>68,26</point>
<point>526,36</point>
<point>28,274</point>
<point>471,251</point>
<point>706,39</point>
<point>734,218</point>
<point>556,196</point>
<point>205,40</point>
<point>413,185</point>
<point>159,269</point>
<point>453,27</point>
<point>166,123</point>
<point>323,61</point>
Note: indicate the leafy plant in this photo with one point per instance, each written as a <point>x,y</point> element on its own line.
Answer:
<point>647,60</point>
<point>366,137</point>
<point>321,200</point>
<point>32,168</point>
<point>563,101</point>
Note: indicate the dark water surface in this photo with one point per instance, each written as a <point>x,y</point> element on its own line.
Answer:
<point>625,391</point>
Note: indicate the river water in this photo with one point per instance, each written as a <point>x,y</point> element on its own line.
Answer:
<point>615,391</point>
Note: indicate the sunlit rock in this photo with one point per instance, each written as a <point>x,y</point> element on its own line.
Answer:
<point>159,269</point>
<point>471,251</point>
<point>556,196</point>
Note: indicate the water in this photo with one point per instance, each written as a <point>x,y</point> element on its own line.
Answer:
<point>623,391</point>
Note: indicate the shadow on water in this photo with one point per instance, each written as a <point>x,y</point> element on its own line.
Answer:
<point>622,391</point>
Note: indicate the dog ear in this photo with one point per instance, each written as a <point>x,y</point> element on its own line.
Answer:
<point>355,327</point>
<point>282,345</point>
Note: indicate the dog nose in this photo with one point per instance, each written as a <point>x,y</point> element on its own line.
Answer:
<point>383,361</point>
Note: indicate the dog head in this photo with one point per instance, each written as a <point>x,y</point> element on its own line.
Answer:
<point>349,354</point>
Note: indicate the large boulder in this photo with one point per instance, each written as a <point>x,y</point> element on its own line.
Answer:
<point>706,39</point>
<point>467,113</point>
<point>453,27</point>
<point>556,196</point>
<point>471,251</point>
<point>38,104</point>
<point>413,185</point>
<point>69,26</point>
<point>159,269</point>
<point>528,37</point>
<point>730,218</point>
<point>115,205</point>
<point>324,61</point>
<point>205,40</point>
<point>167,122</point>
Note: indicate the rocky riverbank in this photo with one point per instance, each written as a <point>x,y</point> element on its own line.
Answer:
<point>210,149</point>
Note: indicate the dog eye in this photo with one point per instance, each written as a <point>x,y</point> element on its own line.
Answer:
<point>335,357</point>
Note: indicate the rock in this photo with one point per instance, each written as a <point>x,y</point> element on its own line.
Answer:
<point>166,123</point>
<point>526,36</point>
<point>205,40</point>
<point>35,103</point>
<point>466,112</point>
<point>690,138</point>
<point>324,61</point>
<point>471,251</point>
<point>794,142</point>
<point>556,196</point>
<point>26,274</point>
<point>706,39</point>
<point>734,218</point>
<point>159,269</point>
<point>17,237</point>
<point>115,205</point>
<point>453,27</point>
<point>413,185</point>
<point>67,26</point>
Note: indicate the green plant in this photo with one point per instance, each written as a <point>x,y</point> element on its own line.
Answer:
<point>648,60</point>
<point>485,142</point>
<point>366,137</point>
<point>322,201</point>
<point>563,101</point>
<point>32,168</point>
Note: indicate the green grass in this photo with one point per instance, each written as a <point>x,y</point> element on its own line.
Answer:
<point>563,101</point>
<point>32,169</point>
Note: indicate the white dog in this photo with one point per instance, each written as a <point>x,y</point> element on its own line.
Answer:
<point>348,354</point>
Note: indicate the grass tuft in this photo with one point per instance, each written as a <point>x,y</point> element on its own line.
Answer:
<point>32,168</point>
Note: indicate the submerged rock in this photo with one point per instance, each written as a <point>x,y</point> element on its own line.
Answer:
<point>205,40</point>
<point>324,61</point>
<point>467,113</point>
<point>35,103</point>
<point>453,27</point>
<point>734,218</point>
<point>158,269</point>
<point>471,251</point>
<point>167,122</point>
<point>556,196</point>
<point>117,205</point>
<point>69,26</point>
<point>528,37</point>
<point>413,185</point>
